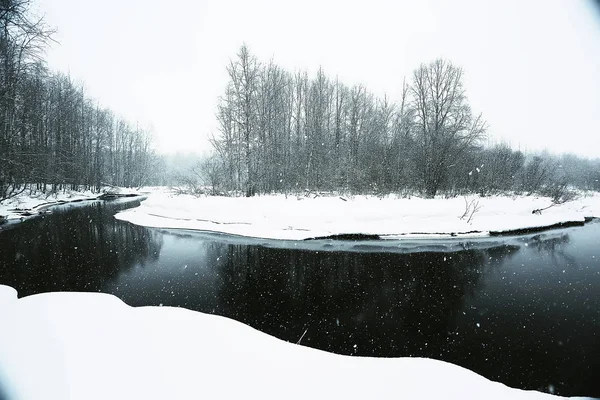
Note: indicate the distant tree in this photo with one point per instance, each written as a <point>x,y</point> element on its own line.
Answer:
<point>445,127</point>
<point>402,145</point>
<point>536,174</point>
<point>212,173</point>
<point>500,167</point>
<point>243,74</point>
<point>228,144</point>
<point>274,127</point>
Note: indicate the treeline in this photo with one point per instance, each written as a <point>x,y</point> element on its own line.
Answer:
<point>499,169</point>
<point>282,131</point>
<point>53,136</point>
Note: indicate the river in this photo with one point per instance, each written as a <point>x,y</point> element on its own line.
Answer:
<point>524,310</point>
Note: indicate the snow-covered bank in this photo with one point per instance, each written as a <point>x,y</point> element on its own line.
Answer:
<point>292,218</point>
<point>93,346</point>
<point>28,203</point>
<point>31,203</point>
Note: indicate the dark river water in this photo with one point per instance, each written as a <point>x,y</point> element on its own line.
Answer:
<point>524,311</point>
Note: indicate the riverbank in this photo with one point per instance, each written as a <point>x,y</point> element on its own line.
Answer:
<point>31,202</point>
<point>361,217</point>
<point>94,346</point>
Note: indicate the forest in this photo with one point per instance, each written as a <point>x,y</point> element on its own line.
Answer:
<point>282,132</point>
<point>53,136</point>
<point>278,132</point>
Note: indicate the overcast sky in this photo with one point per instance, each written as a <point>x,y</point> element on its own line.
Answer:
<point>532,67</point>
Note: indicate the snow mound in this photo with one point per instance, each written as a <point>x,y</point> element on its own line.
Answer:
<point>93,346</point>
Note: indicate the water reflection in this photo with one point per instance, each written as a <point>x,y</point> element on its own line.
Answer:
<point>364,304</point>
<point>73,249</point>
<point>556,247</point>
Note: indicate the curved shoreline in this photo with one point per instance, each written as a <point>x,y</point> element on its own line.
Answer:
<point>24,214</point>
<point>364,219</point>
<point>456,235</point>
<point>359,219</point>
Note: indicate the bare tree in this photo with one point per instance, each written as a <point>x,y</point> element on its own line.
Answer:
<point>445,127</point>
<point>243,74</point>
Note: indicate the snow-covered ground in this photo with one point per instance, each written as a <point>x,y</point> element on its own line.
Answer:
<point>93,346</point>
<point>297,218</point>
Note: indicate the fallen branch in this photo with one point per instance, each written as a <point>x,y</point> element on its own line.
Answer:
<point>538,211</point>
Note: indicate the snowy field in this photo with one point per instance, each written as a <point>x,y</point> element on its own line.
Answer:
<point>93,346</point>
<point>297,218</point>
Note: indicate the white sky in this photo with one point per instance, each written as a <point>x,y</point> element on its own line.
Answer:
<point>532,66</point>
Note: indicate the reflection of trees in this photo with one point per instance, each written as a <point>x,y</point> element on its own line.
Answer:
<point>384,303</point>
<point>77,250</point>
<point>555,247</point>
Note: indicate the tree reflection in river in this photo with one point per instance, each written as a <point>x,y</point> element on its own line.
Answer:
<point>555,247</point>
<point>376,304</point>
<point>74,251</point>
